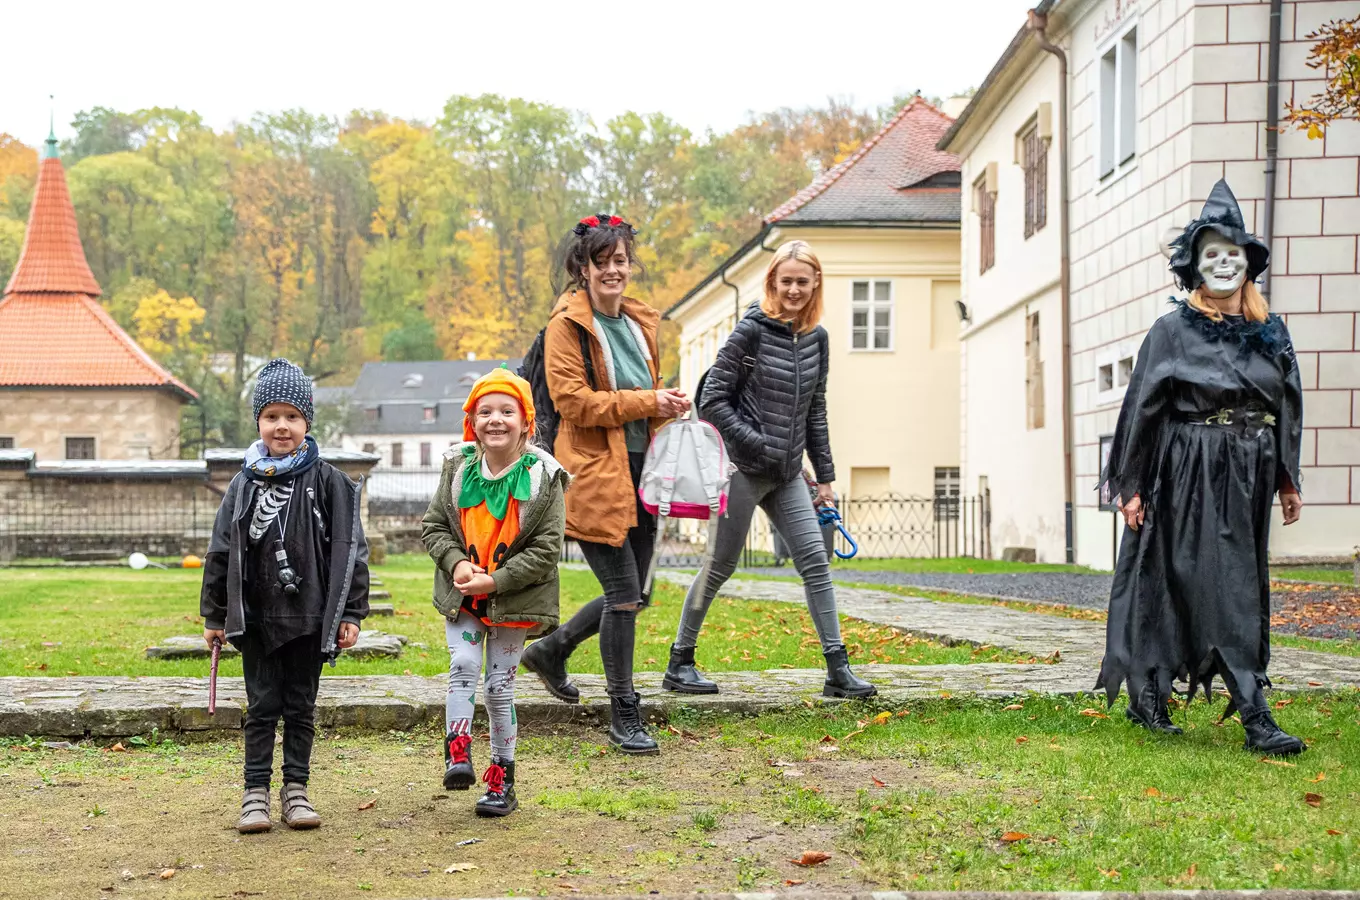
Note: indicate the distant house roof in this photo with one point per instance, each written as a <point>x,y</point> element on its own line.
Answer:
<point>392,397</point>
<point>53,332</point>
<point>895,178</point>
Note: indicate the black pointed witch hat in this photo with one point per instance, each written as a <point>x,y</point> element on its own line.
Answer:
<point>1223,215</point>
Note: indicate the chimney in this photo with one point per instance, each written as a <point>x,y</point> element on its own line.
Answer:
<point>954,106</point>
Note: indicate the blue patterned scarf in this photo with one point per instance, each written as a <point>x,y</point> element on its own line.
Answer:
<point>260,465</point>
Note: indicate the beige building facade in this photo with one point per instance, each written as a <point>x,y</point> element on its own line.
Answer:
<point>112,423</point>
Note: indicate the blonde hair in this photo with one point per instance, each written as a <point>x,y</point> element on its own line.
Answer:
<point>1254,308</point>
<point>807,317</point>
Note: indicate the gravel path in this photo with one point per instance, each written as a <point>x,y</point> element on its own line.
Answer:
<point>1303,609</point>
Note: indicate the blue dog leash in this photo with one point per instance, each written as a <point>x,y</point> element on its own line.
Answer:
<point>826,516</point>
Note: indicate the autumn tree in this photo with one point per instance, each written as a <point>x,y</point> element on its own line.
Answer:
<point>1336,54</point>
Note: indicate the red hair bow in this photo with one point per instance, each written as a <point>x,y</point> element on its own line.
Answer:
<point>615,221</point>
<point>593,221</point>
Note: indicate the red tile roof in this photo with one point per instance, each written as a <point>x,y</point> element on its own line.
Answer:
<point>53,332</point>
<point>883,179</point>
<point>52,258</point>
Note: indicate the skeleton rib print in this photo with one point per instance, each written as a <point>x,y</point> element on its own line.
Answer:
<point>273,500</point>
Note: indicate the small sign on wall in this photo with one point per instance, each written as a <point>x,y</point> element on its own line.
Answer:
<point>1106,495</point>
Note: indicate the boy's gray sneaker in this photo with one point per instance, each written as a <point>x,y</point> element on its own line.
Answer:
<point>297,809</point>
<point>254,812</point>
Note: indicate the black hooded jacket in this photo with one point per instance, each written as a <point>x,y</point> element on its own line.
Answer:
<point>326,546</point>
<point>766,395</point>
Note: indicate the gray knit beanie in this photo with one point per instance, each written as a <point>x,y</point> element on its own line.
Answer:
<point>282,382</point>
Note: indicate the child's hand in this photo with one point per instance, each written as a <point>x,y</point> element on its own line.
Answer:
<point>211,634</point>
<point>464,571</point>
<point>349,635</point>
<point>480,583</point>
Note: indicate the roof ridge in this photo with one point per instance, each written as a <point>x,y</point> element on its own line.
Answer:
<point>824,181</point>
<point>126,341</point>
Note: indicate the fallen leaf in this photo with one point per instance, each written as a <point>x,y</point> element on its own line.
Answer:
<point>880,783</point>
<point>793,882</point>
<point>167,874</point>
<point>1333,832</point>
<point>1321,776</point>
<point>811,858</point>
<point>1189,873</point>
<point>459,867</point>
<point>367,804</point>
<point>1313,800</point>
<point>1093,714</point>
<point>1315,684</point>
<point>827,739</point>
<point>1277,762</point>
<point>945,694</point>
<point>1281,704</point>
<point>118,748</point>
<point>1153,792</point>
<point>1110,873</point>
<point>569,887</point>
<point>1022,740</point>
<point>1014,706</point>
<point>883,717</point>
<point>1011,837</point>
<point>1279,867</point>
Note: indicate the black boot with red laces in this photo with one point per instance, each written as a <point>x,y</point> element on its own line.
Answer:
<point>499,799</point>
<point>458,774</point>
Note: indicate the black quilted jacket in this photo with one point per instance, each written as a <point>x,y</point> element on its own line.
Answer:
<point>766,394</point>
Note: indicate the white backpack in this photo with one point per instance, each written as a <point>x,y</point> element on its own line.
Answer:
<point>685,476</point>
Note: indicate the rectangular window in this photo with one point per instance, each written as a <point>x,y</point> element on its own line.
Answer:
<point>370,448</point>
<point>1105,378</point>
<point>6,443</point>
<point>1034,375</point>
<point>871,315</point>
<point>80,448</point>
<point>947,492</point>
<point>870,482</point>
<point>425,454</point>
<point>1118,103</point>
<point>372,413</point>
<point>430,413</point>
<point>985,202</point>
<point>1036,180</point>
<point>396,455</point>
<point>1125,371</point>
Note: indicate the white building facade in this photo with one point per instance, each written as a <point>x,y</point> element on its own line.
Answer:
<point>1165,98</point>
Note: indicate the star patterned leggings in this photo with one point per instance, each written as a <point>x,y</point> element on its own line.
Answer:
<point>469,641</point>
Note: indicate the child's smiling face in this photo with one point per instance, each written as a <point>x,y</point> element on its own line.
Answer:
<point>499,422</point>
<point>282,428</point>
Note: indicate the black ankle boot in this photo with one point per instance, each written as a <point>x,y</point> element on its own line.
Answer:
<point>1150,711</point>
<point>626,730</point>
<point>547,658</point>
<point>840,681</point>
<point>499,799</point>
<point>682,675</point>
<point>1264,736</point>
<point>458,775</point>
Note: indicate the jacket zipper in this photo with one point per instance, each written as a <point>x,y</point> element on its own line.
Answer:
<point>797,391</point>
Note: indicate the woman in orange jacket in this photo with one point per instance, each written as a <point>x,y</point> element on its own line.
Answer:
<point>606,424</point>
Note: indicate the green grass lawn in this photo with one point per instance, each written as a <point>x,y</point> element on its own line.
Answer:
<point>98,621</point>
<point>1037,794</point>
<point>1328,574</point>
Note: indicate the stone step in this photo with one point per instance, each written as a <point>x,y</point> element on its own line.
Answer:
<point>379,595</point>
<point>381,609</point>
<point>372,644</point>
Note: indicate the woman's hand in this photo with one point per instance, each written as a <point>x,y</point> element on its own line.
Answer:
<point>464,571</point>
<point>1292,505</point>
<point>481,583</point>
<point>825,497</point>
<point>348,636</point>
<point>1133,512</point>
<point>214,634</point>
<point>671,404</point>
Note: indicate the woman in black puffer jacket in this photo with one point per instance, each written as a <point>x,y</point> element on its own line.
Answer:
<point>766,394</point>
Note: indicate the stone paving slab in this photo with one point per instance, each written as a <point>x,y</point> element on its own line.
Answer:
<point>119,707</point>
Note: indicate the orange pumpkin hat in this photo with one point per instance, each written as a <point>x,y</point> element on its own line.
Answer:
<point>499,381</point>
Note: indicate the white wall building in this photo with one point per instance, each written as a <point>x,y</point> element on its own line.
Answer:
<point>1165,98</point>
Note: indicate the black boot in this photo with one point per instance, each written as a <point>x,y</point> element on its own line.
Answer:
<point>547,658</point>
<point>458,774</point>
<point>499,799</point>
<point>1264,736</point>
<point>1149,710</point>
<point>626,730</point>
<point>682,675</point>
<point>840,681</point>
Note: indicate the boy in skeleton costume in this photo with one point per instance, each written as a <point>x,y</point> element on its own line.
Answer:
<point>1209,432</point>
<point>285,579</point>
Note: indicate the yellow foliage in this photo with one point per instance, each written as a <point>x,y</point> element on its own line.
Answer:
<point>16,158</point>
<point>164,324</point>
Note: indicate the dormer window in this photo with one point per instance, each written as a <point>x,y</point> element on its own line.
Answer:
<point>414,380</point>
<point>431,413</point>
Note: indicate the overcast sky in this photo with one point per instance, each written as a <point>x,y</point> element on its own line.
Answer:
<point>704,63</point>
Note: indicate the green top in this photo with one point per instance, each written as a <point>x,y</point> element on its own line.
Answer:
<point>494,492</point>
<point>630,373</point>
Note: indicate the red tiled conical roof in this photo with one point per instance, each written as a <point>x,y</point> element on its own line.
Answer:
<point>53,332</point>
<point>52,258</point>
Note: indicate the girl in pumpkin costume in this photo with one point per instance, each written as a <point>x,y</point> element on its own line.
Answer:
<point>494,529</point>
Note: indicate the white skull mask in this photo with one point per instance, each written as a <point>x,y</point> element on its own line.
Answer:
<point>1222,265</point>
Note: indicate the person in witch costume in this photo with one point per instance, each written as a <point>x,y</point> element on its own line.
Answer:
<point>1209,431</point>
<point>494,529</point>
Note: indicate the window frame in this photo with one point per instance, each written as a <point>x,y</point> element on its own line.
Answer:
<point>984,204</point>
<point>1114,118</point>
<point>1035,169</point>
<point>426,454</point>
<point>948,505</point>
<point>1035,412</point>
<point>397,450</point>
<point>94,446</point>
<point>8,442</point>
<point>872,306</point>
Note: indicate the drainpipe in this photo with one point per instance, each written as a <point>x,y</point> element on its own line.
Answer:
<point>1272,133</point>
<point>736,292</point>
<point>1037,23</point>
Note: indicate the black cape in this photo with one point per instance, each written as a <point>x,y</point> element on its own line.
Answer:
<point>1191,592</point>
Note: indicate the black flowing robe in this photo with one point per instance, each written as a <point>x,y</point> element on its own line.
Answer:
<point>1191,592</point>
